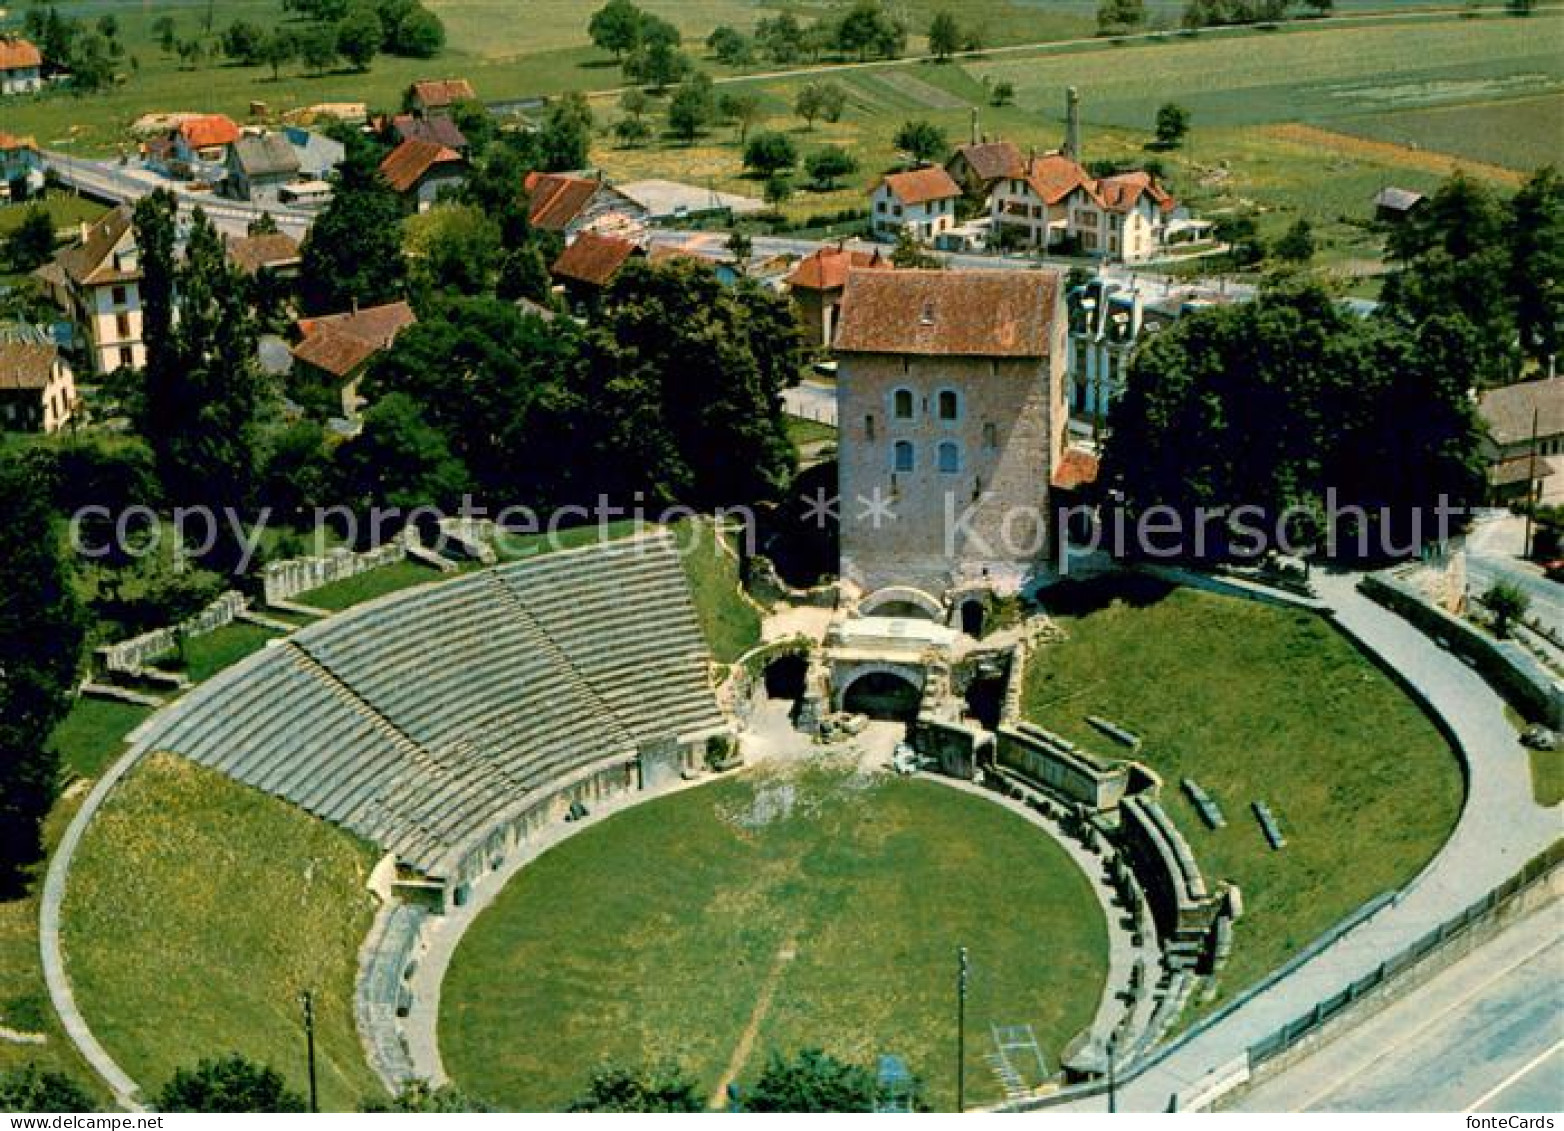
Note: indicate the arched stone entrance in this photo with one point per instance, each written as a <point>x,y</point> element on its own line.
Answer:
<point>883,694</point>
<point>902,601</point>
<point>972,614</point>
<point>786,676</point>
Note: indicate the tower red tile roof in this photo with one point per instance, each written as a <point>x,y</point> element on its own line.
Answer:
<point>961,313</point>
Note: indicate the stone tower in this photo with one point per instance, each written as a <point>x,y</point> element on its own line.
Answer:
<point>1072,124</point>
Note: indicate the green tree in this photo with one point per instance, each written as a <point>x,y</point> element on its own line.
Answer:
<point>634,103</point>
<point>398,460</point>
<point>778,190</point>
<point>868,29</point>
<point>632,132</point>
<point>1509,604</point>
<point>1536,274</point>
<point>811,1082</point>
<point>691,108</point>
<point>524,274</point>
<point>617,1089</point>
<point>829,165</point>
<point>616,28</point>
<point>820,100</point>
<point>453,247</point>
<point>780,37</point>
<point>92,63</point>
<point>565,139</point>
<point>411,29</point>
<point>31,243</point>
<point>944,35</point>
<point>921,140</point>
<point>1115,17</point>
<point>769,153</point>
<point>276,51</point>
<point>742,108</point>
<point>166,32</point>
<point>318,48</point>
<point>909,252</point>
<point>242,41</point>
<point>359,36</point>
<point>1002,93</point>
<point>1296,244</point>
<point>353,251</point>
<point>730,46</point>
<point>659,64</point>
<point>420,1097</point>
<point>41,637</point>
<point>1172,125</point>
<point>228,1084</point>
<point>31,1090</point>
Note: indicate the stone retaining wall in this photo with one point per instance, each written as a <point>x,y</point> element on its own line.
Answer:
<point>1508,667</point>
<point>131,657</point>
<point>282,581</point>
<point>1062,767</point>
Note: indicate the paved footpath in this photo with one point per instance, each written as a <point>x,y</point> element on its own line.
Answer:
<point>1500,829</point>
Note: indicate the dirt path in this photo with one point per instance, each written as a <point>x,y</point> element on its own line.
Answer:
<point>741,1051</point>
<point>1389,153</point>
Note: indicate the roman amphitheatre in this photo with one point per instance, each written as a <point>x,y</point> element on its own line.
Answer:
<point>603,805</point>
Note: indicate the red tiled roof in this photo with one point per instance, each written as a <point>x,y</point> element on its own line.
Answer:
<point>17,54</point>
<point>443,92</point>
<point>9,142</point>
<point>441,131</point>
<point>952,313</point>
<point>1076,469</point>
<point>251,253</point>
<point>1121,192</point>
<point>334,352</point>
<point>992,160</point>
<point>921,185</point>
<point>26,366</point>
<point>593,258</point>
<point>209,129</point>
<point>557,199</point>
<point>826,269</point>
<point>87,264</point>
<point>411,161</point>
<point>1055,176</point>
<point>378,325</point>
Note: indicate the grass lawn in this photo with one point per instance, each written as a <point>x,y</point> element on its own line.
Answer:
<point>515,547</point>
<point>367,586</point>
<point>731,624</point>
<point>820,908</point>
<point>207,655</point>
<point>805,432</point>
<point>1512,133</point>
<point>1257,703</point>
<point>93,734</point>
<point>198,910</point>
<point>1547,776</point>
<point>65,209</point>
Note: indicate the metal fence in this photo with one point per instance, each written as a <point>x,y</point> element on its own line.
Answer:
<point>1489,905</point>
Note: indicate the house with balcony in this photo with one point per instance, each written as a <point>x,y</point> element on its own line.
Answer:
<point>921,202</point>
<point>199,146</point>
<point>97,283</point>
<point>21,167</point>
<point>1056,205</point>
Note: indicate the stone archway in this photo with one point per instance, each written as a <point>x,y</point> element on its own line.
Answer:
<point>902,601</point>
<point>972,617</point>
<point>787,677</point>
<point>883,693</point>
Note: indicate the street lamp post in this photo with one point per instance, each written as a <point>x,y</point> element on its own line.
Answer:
<point>307,1000</point>
<point>961,1029</point>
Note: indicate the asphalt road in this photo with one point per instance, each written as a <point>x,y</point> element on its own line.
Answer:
<point>1485,1035</point>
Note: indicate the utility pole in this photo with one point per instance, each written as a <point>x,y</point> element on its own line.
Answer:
<point>961,1030</point>
<point>1113,1079</point>
<point>1531,485</point>
<point>307,999</point>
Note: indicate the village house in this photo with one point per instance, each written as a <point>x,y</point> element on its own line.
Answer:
<point>21,167</point>
<point>816,286</point>
<point>586,268</point>
<point>317,154</point>
<point>440,130</point>
<point>1523,444</point>
<point>199,145</point>
<point>432,98</point>
<point>951,410</point>
<point>21,66</point>
<point>276,252</point>
<point>568,205</point>
<point>921,202</point>
<point>97,283</point>
<point>419,171</point>
<point>259,166</point>
<point>37,388</point>
<point>1056,203</point>
<point>980,165</point>
<point>333,352</point>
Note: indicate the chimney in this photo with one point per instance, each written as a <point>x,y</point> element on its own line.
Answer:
<point>1072,124</point>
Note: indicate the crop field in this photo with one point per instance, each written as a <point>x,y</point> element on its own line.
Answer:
<point>775,910</point>
<point>1513,133</point>
<point>1257,704</point>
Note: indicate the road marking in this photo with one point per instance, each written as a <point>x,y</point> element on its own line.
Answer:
<point>1514,1076</point>
<point>1428,1022</point>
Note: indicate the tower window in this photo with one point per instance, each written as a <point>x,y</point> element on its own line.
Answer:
<point>902,406</point>
<point>948,455</point>
<point>990,436</point>
<point>868,427</point>
<point>948,404</point>
<point>903,456</point>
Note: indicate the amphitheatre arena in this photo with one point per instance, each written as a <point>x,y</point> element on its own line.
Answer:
<point>513,825</point>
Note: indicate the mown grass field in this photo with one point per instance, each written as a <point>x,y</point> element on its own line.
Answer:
<point>367,586</point>
<point>820,908</point>
<point>205,656</point>
<point>730,623</point>
<point>1258,704</point>
<point>1513,133</point>
<point>199,910</point>
<point>93,734</point>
